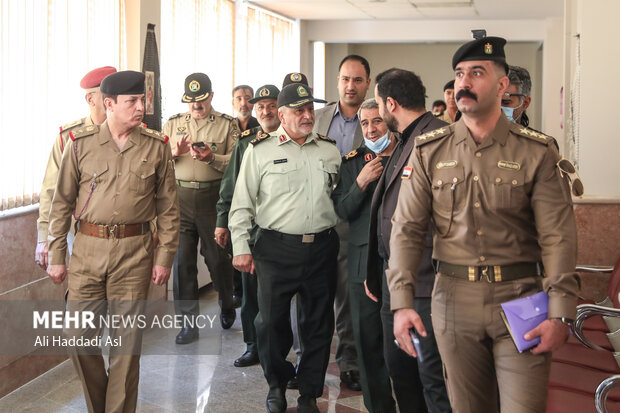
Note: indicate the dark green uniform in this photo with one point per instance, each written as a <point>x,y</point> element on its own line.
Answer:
<point>353,205</point>
<point>249,305</point>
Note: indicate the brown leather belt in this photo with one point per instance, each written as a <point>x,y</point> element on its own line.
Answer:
<point>491,273</point>
<point>113,231</point>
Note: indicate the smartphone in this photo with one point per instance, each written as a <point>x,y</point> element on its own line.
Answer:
<point>200,145</point>
<point>416,344</point>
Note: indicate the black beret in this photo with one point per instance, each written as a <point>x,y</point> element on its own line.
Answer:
<point>265,92</point>
<point>485,48</point>
<point>294,78</point>
<point>449,85</point>
<point>126,82</point>
<point>296,95</point>
<point>197,88</point>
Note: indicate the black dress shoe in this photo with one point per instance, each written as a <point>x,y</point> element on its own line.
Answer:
<point>307,404</point>
<point>352,380</point>
<point>249,358</point>
<point>227,318</point>
<point>236,300</point>
<point>293,383</point>
<point>187,335</point>
<point>276,401</point>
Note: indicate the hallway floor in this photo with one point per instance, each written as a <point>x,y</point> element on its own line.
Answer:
<point>184,383</point>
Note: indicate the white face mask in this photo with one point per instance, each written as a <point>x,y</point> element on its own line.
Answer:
<point>379,145</point>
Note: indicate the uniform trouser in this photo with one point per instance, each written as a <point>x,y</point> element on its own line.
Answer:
<point>119,271</point>
<point>402,368</point>
<point>297,345</point>
<point>287,268</point>
<point>376,386</point>
<point>198,218</point>
<point>237,283</point>
<point>249,309</point>
<point>346,355</point>
<point>478,353</point>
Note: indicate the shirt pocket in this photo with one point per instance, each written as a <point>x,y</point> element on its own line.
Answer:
<point>508,189</point>
<point>142,179</point>
<point>96,173</point>
<point>279,178</point>
<point>330,175</point>
<point>448,186</point>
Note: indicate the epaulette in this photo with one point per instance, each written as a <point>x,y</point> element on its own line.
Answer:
<point>72,124</point>
<point>351,154</point>
<point>225,116</point>
<point>432,135</point>
<point>178,115</point>
<point>249,132</point>
<point>260,137</point>
<point>83,132</point>
<point>326,139</point>
<point>533,135</point>
<point>154,134</point>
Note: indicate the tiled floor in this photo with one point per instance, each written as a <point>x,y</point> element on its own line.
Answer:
<point>183,383</point>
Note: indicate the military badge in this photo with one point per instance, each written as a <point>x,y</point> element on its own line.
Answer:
<point>194,86</point>
<point>296,77</point>
<point>263,92</point>
<point>143,160</point>
<point>282,138</point>
<point>446,164</point>
<point>513,166</point>
<point>181,129</point>
<point>301,91</point>
<point>277,161</point>
<point>488,48</point>
<point>213,147</point>
<point>212,118</point>
<point>236,134</point>
<point>407,171</point>
<point>368,157</point>
<point>89,128</point>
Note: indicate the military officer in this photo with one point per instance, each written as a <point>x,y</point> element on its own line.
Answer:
<point>498,196</point>
<point>449,115</point>
<point>284,185</point>
<point>361,168</point>
<point>90,83</point>
<point>115,179</point>
<point>266,106</point>
<point>242,96</point>
<point>202,141</point>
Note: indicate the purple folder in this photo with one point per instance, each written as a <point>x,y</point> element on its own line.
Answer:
<point>524,314</point>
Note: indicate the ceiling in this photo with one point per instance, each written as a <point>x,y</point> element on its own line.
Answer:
<point>414,9</point>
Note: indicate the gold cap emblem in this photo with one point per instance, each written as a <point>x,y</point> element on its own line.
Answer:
<point>194,86</point>
<point>301,91</point>
<point>264,92</point>
<point>295,77</point>
<point>488,48</point>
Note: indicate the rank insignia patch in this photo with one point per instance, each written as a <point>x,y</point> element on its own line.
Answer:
<point>407,171</point>
<point>368,157</point>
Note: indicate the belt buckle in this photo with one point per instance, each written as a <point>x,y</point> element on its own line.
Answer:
<point>111,231</point>
<point>307,238</point>
<point>195,184</point>
<point>484,271</point>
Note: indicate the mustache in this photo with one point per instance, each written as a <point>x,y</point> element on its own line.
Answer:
<point>465,93</point>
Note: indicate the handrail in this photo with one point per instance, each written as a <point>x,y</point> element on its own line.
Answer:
<point>603,389</point>
<point>585,311</point>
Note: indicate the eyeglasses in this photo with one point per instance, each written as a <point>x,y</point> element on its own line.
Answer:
<point>576,185</point>
<point>506,98</point>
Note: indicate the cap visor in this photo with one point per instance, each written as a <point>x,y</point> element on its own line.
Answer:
<point>303,102</point>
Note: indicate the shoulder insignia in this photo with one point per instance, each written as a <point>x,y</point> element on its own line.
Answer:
<point>178,115</point>
<point>432,135</point>
<point>251,132</point>
<point>246,132</point>
<point>260,137</point>
<point>228,117</point>
<point>83,132</point>
<point>72,124</point>
<point>326,139</point>
<point>351,154</point>
<point>531,134</point>
<point>188,117</point>
<point>235,134</point>
<point>154,134</point>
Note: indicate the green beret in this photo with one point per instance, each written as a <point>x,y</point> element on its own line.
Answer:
<point>127,82</point>
<point>485,48</point>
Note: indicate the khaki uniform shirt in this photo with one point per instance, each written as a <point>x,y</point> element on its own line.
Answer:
<point>218,131</point>
<point>284,187</point>
<point>101,184</point>
<point>498,203</point>
<point>445,116</point>
<point>51,174</point>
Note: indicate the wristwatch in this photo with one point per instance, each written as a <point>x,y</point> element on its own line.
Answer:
<point>565,320</point>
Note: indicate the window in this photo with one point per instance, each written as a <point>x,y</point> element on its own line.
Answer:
<point>46,47</point>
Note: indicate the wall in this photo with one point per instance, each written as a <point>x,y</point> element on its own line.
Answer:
<point>432,62</point>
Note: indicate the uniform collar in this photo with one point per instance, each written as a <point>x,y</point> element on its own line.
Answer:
<point>499,134</point>
<point>283,137</point>
<point>104,136</point>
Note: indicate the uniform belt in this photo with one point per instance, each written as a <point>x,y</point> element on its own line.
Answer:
<point>198,185</point>
<point>491,273</point>
<point>113,231</point>
<point>299,239</point>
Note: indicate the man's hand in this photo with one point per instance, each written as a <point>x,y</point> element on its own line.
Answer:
<point>244,263</point>
<point>182,146</point>
<point>369,294</point>
<point>57,272</point>
<point>202,154</point>
<point>369,173</point>
<point>404,319</point>
<point>40,254</point>
<point>553,333</point>
<point>221,236</point>
<point>160,274</point>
